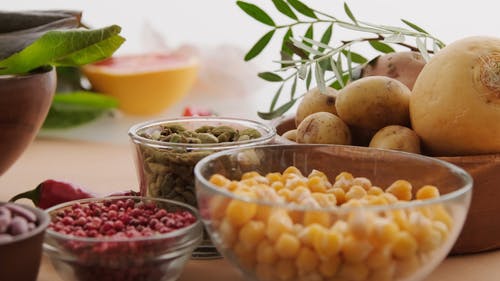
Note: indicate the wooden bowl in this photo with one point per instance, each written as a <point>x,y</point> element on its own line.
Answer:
<point>24,103</point>
<point>481,231</point>
<point>21,257</point>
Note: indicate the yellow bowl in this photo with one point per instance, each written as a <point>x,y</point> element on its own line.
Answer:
<point>144,84</point>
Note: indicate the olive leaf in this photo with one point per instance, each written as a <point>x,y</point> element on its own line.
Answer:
<point>270,76</point>
<point>381,47</point>
<point>278,112</point>
<point>283,7</point>
<point>293,89</point>
<point>302,8</point>
<point>414,26</point>
<point>309,35</point>
<point>326,37</point>
<point>327,57</point>
<point>259,46</point>
<point>275,98</point>
<point>354,57</point>
<point>320,77</point>
<point>349,13</point>
<point>256,12</point>
<point>67,47</point>
<point>309,78</point>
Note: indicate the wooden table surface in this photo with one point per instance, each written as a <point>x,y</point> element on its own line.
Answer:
<point>105,168</point>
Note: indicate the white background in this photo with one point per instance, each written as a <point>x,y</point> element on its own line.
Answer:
<point>208,25</point>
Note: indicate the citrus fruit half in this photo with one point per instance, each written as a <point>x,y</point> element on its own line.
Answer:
<point>144,84</point>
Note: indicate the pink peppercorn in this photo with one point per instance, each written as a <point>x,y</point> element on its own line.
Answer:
<point>120,218</point>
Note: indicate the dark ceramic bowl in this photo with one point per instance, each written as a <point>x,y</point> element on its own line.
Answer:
<point>20,258</point>
<point>24,103</point>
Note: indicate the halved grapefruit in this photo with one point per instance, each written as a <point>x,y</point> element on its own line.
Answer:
<point>144,84</point>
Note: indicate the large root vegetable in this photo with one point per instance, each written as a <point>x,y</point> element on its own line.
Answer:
<point>315,101</point>
<point>396,137</point>
<point>455,103</point>
<point>374,102</point>
<point>323,127</point>
<point>402,66</point>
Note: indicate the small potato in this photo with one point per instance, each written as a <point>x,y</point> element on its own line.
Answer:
<point>397,138</point>
<point>402,66</point>
<point>323,127</point>
<point>315,101</point>
<point>290,135</point>
<point>374,102</point>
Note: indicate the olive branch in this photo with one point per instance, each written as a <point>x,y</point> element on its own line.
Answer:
<point>331,63</point>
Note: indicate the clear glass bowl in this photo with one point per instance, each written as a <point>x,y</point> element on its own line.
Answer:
<point>401,241</point>
<point>165,169</point>
<point>158,257</point>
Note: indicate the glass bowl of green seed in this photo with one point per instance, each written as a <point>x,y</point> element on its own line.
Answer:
<point>166,151</point>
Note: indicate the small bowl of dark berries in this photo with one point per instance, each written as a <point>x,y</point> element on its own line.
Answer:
<point>21,236</point>
<point>122,238</point>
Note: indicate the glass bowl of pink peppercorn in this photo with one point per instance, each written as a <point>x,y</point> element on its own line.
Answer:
<point>121,238</point>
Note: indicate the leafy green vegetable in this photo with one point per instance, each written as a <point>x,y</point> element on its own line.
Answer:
<point>19,29</point>
<point>77,108</point>
<point>67,48</point>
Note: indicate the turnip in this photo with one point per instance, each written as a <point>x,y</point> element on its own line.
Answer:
<point>455,103</point>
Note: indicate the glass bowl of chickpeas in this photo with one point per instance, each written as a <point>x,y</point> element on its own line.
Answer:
<point>331,212</point>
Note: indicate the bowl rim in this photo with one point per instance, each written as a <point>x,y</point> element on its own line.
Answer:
<point>270,133</point>
<point>42,216</point>
<point>172,234</point>
<point>39,71</point>
<point>465,176</point>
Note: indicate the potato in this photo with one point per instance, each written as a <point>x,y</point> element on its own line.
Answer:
<point>402,66</point>
<point>315,101</point>
<point>323,127</point>
<point>374,102</point>
<point>290,135</point>
<point>397,138</point>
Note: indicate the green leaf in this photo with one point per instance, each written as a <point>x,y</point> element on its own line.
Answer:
<point>414,26</point>
<point>270,76</point>
<point>309,78</point>
<point>259,46</point>
<point>326,37</point>
<point>256,12</point>
<point>296,50</point>
<point>309,34</point>
<point>293,89</point>
<point>349,13</point>
<point>77,108</point>
<point>286,38</point>
<point>336,72</point>
<point>278,112</point>
<point>65,48</point>
<point>355,57</point>
<point>339,85</point>
<point>320,78</point>
<point>283,7</point>
<point>276,97</point>
<point>302,8</point>
<point>381,47</point>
